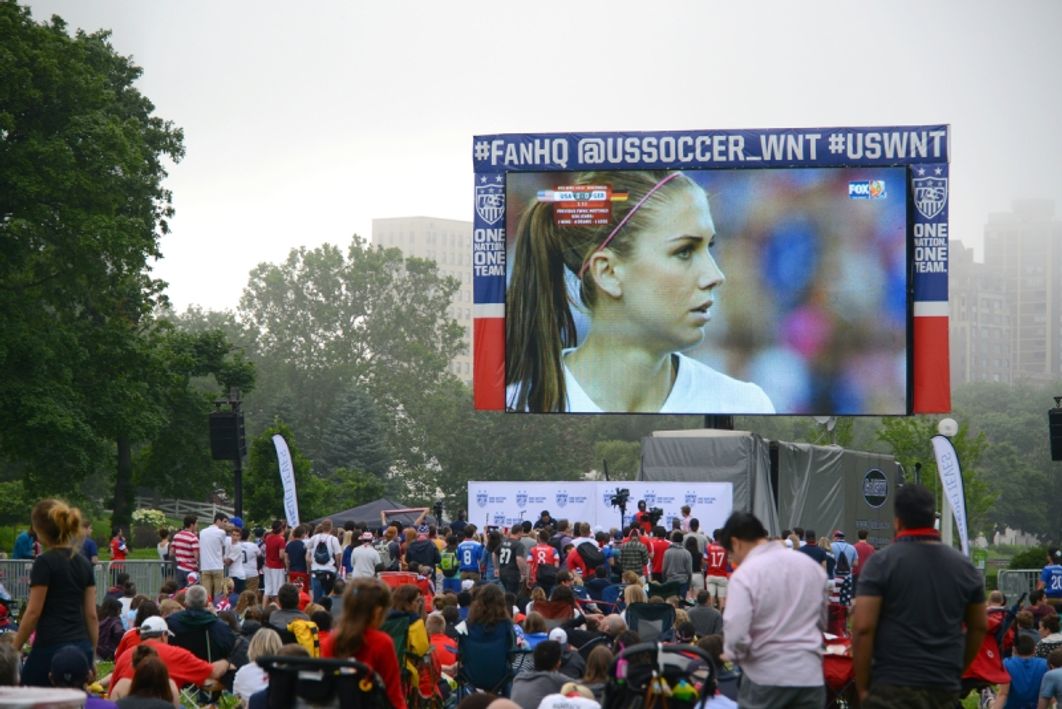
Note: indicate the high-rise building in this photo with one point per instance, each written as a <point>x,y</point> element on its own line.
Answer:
<point>1023,250</point>
<point>447,242</point>
<point>979,322</point>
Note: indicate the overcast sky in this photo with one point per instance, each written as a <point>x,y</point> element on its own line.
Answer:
<point>304,121</point>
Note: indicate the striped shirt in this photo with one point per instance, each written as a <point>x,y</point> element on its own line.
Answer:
<point>185,546</point>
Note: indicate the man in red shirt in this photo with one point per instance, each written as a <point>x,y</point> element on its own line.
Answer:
<point>185,547</point>
<point>863,551</point>
<point>658,545</point>
<point>185,668</point>
<point>542,555</point>
<point>274,562</point>
<point>716,570</point>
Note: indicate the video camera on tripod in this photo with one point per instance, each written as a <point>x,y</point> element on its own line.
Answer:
<point>620,497</point>
<point>655,513</point>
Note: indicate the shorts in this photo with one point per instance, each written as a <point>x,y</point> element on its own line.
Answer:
<point>274,579</point>
<point>716,585</point>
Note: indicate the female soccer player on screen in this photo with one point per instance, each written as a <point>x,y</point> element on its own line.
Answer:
<point>647,280</point>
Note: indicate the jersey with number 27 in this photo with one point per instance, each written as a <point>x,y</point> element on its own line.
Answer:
<point>715,557</point>
<point>469,555</point>
<point>1052,578</point>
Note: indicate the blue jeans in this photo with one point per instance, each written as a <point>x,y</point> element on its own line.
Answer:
<point>39,663</point>
<point>321,583</point>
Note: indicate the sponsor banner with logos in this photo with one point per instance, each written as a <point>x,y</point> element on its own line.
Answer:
<point>504,504</point>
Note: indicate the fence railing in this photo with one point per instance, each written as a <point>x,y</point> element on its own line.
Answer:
<point>147,574</point>
<point>177,509</point>
<point>1014,582</point>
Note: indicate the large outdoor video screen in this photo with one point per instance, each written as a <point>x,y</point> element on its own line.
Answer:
<point>788,271</point>
<point>757,291</point>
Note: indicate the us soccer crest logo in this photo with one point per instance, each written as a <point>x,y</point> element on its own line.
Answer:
<point>691,498</point>
<point>930,195</point>
<point>650,499</point>
<point>562,499</point>
<point>499,518</point>
<point>481,499</point>
<point>521,499</point>
<point>490,202</point>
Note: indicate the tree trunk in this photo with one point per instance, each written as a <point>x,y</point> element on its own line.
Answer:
<point>122,506</point>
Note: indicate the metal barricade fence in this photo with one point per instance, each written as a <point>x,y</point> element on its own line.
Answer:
<point>147,574</point>
<point>1014,582</point>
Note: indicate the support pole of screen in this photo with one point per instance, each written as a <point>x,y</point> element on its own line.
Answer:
<point>723,423</point>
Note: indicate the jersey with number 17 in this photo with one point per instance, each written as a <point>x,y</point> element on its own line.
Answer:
<point>470,555</point>
<point>715,561</point>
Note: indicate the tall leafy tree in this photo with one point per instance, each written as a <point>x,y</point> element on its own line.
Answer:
<point>355,437</point>
<point>82,209</point>
<point>325,321</point>
<point>263,491</point>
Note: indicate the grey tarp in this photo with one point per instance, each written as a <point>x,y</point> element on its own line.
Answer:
<point>708,455</point>
<point>368,515</point>
<point>828,487</point>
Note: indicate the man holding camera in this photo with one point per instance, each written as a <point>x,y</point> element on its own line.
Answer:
<point>643,518</point>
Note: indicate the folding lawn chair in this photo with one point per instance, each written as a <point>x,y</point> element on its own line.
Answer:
<point>485,659</point>
<point>652,621</point>
<point>297,682</point>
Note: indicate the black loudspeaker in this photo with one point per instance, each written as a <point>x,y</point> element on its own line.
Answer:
<point>1054,424</point>
<point>227,441</point>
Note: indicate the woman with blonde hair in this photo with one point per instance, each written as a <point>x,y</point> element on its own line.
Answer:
<point>643,275</point>
<point>595,676</point>
<point>632,593</point>
<point>62,598</point>
<point>251,678</point>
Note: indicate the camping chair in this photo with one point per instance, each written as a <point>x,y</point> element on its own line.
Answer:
<point>555,612</point>
<point>394,579</point>
<point>664,590</point>
<point>484,659</point>
<point>345,684</point>
<point>612,598</point>
<point>652,621</point>
<point>642,663</point>
<point>586,648</point>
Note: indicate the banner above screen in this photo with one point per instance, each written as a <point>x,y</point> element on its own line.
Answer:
<point>796,271</point>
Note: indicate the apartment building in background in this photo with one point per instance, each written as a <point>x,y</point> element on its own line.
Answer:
<point>447,242</point>
<point>1006,312</point>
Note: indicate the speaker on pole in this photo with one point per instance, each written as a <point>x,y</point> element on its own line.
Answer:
<point>227,440</point>
<point>1054,426</point>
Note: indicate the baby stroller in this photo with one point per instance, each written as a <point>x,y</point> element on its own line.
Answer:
<point>303,682</point>
<point>655,676</point>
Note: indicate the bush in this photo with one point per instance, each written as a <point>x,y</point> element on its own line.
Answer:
<point>1030,558</point>
<point>148,517</point>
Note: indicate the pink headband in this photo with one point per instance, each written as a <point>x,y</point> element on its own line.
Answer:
<point>626,218</point>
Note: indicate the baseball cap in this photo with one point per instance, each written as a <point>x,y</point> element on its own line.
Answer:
<point>467,585</point>
<point>838,533</point>
<point>559,635</point>
<point>236,522</point>
<point>70,667</point>
<point>154,625</point>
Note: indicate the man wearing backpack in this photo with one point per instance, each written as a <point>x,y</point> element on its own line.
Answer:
<point>450,567</point>
<point>845,555</point>
<point>543,562</point>
<point>323,553</point>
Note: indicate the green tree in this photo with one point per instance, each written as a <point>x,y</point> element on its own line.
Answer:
<point>355,437</point>
<point>197,367</point>
<point>324,322</point>
<point>624,458</point>
<point>262,490</point>
<point>909,440</point>
<point>82,209</point>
